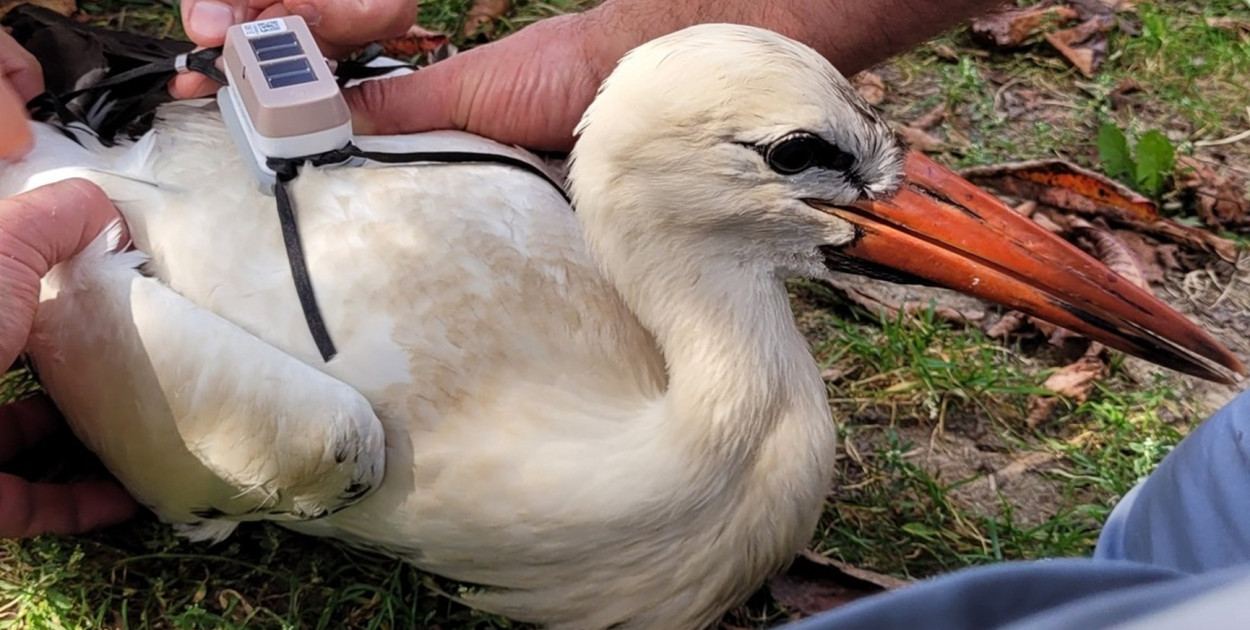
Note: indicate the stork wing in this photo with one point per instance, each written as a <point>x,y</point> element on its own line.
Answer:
<point>191,412</point>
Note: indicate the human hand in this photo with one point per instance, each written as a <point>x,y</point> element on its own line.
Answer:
<point>39,229</point>
<point>21,79</point>
<point>338,26</point>
<point>529,88</point>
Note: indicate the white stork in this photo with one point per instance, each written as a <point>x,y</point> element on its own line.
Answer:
<point>604,418</point>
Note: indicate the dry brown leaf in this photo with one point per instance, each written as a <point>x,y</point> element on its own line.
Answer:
<point>1085,46</point>
<point>1220,197</point>
<point>946,52</point>
<point>1091,8</point>
<point>1025,208</point>
<point>1075,380</point>
<point>64,7</point>
<point>1028,462</point>
<point>1193,238</point>
<point>1065,185</point>
<point>1239,26</point>
<point>415,42</point>
<point>919,139</point>
<point>1155,258</point>
<point>848,287</point>
<point>930,118</point>
<point>1009,323</point>
<point>482,15</point>
<point>1113,253</point>
<point>814,584</point>
<point>1012,27</point>
<point>1125,93</point>
<point>870,86</point>
<point>1163,229</point>
<point>1044,219</point>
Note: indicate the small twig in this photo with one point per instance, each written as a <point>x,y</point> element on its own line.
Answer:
<point>1054,103</point>
<point>1229,140</point>
<point>999,93</point>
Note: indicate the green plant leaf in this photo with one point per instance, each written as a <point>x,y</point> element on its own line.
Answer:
<point>1113,151</point>
<point>1156,157</point>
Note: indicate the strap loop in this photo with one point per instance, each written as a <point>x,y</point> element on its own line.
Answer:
<point>287,169</point>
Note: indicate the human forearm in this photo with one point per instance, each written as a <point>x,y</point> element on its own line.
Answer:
<point>853,34</point>
<point>530,88</point>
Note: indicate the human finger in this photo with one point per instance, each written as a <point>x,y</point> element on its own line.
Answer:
<point>39,229</point>
<point>529,88</point>
<point>25,423</point>
<point>341,26</point>
<point>33,509</point>
<point>16,138</point>
<point>20,68</point>
<point>205,21</point>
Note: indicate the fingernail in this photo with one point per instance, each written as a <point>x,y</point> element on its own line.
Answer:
<point>209,20</point>
<point>309,12</point>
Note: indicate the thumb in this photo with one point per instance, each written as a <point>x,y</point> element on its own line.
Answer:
<point>430,98</point>
<point>206,21</point>
<point>39,229</point>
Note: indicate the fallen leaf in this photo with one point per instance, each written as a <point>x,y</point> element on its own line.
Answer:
<point>1113,253</point>
<point>1155,258</point>
<point>814,584</point>
<point>1012,27</point>
<point>870,87</point>
<point>482,15</point>
<point>64,7</point>
<point>1085,46</point>
<point>849,287</point>
<point>1009,323</point>
<point>1028,462</point>
<point>1091,8</point>
<point>1005,475</point>
<point>1065,185</point>
<point>1220,197</point>
<point>1125,93</point>
<point>1075,381</point>
<point>1194,238</point>
<point>1237,25</point>
<point>930,118</point>
<point>1026,208</point>
<point>417,41</point>
<point>1044,219</point>
<point>919,139</point>
<point>946,52</point>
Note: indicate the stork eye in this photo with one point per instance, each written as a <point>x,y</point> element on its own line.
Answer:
<point>793,154</point>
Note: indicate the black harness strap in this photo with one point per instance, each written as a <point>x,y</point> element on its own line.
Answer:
<point>203,61</point>
<point>338,156</point>
<point>104,115</point>
<point>287,169</point>
<point>299,270</point>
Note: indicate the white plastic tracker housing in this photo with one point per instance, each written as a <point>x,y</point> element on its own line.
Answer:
<point>281,99</point>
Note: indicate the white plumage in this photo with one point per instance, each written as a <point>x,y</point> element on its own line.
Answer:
<point>629,439</point>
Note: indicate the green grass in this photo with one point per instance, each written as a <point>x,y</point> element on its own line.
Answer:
<point>1191,78</point>
<point>906,387</point>
<point>908,380</point>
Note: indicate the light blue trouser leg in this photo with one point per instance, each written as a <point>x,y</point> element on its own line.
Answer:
<point>1193,512</point>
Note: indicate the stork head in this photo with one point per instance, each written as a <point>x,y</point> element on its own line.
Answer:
<point>741,148</point>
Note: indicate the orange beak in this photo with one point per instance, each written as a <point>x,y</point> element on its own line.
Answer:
<point>941,229</point>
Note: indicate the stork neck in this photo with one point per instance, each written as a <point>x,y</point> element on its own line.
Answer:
<point>740,374</point>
